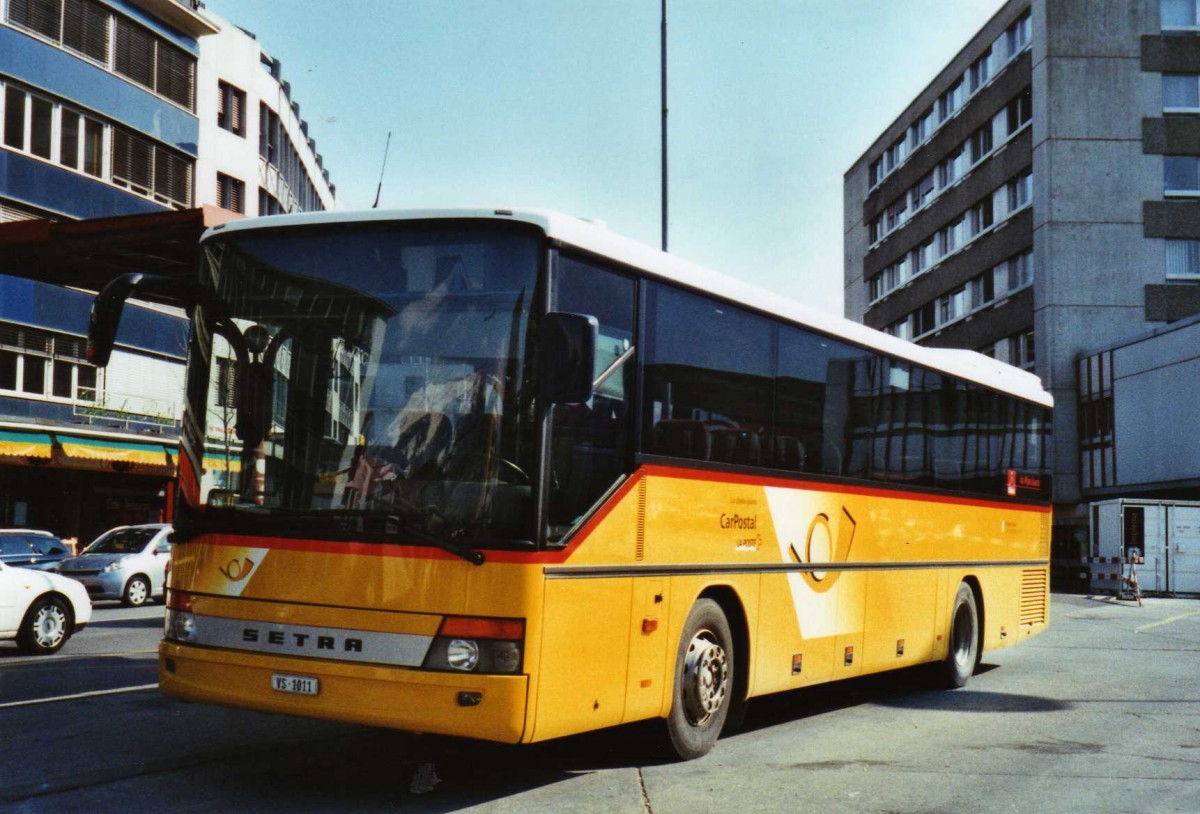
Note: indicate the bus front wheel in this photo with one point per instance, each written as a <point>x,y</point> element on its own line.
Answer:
<point>964,639</point>
<point>704,673</point>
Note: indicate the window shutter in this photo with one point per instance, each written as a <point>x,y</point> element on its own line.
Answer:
<point>175,75</point>
<point>85,28</point>
<point>42,16</point>
<point>134,58</point>
<point>133,161</point>
<point>172,178</point>
<point>236,116</point>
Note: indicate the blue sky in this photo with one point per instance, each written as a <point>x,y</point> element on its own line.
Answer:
<point>555,104</point>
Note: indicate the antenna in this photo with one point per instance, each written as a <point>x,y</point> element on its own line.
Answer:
<point>379,188</point>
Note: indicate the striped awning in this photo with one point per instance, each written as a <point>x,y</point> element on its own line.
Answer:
<point>19,444</point>
<point>115,451</point>
<point>221,463</point>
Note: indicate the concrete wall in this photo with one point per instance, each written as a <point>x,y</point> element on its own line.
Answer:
<point>1091,176</point>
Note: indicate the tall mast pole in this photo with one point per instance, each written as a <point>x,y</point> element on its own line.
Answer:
<point>664,124</point>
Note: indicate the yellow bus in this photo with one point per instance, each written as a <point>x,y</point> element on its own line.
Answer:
<point>507,475</point>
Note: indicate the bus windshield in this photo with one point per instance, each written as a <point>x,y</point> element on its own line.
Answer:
<point>365,381</point>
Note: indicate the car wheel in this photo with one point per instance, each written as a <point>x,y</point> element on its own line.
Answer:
<point>137,592</point>
<point>46,627</point>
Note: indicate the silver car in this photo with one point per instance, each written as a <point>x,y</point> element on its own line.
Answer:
<point>128,563</point>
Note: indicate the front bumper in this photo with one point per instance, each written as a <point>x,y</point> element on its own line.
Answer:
<point>395,697</point>
<point>103,586</point>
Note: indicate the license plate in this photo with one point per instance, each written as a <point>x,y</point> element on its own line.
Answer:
<point>299,685</point>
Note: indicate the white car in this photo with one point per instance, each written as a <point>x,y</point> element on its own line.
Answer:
<point>128,563</point>
<point>41,610</point>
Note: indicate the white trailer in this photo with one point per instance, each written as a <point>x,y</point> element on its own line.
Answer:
<point>1166,534</point>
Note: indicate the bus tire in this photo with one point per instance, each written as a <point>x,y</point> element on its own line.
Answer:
<point>703,686</point>
<point>963,654</point>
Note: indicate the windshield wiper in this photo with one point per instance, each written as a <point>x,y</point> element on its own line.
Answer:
<point>459,550</point>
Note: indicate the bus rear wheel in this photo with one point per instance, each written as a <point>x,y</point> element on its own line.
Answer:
<point>704,672</point>
<point>960,662</point>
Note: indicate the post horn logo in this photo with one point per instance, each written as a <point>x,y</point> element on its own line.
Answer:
<point>822,547</point>
<point>237,570</point>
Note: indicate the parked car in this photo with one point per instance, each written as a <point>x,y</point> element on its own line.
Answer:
<point>26,548</point>
<point>41,610</point>
<point>128,563</point>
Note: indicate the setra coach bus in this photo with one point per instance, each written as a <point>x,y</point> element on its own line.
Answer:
<point>506,475</point>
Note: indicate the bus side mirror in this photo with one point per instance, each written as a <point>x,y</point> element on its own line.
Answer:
<point>106,316</point>
<point>567,357</point>
<point>110,302</point>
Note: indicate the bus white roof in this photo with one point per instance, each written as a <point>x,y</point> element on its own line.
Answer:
<point>595,238</point>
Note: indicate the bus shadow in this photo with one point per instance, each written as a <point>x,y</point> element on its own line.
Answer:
<point>374,769</point>
<point>911,688</point>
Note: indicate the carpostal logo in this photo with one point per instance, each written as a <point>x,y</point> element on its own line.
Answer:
<point>740,522</point>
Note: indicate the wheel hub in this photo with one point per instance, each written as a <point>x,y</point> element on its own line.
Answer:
<point>50,626</point>
<point>705,677</point>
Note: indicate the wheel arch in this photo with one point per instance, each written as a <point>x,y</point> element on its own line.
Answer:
<point>61,597</point>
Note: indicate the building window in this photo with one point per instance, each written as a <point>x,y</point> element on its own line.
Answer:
<point>950,101</point>
<point>154,64</point>
<point>1017,350</point>
<point>150,170</point>
<point>85,28</point>
<point>983,290</point>
<point>922,192</point>
<point>875,229</point>
<point>1020,270</point>
<point>231,109</point>
<point>268,204</point>
<point>14,118</point>
<point>231,193</point>
<point>1179,13</point>
<point>980,71</point>
<point>1183,259</point>
<point>1020,111</point>
<point>979,144</point>
<point>1181,175</point>
<point>132,162</point>
<point>951,307</point>
<point>41,16</point>
<point>40,363</point>
<point>41,125</point>
<point>1020,191</point>
<point>980,217</point>
<point>81,143</point>
<point>1181,92</point>
<point>1018,35</point>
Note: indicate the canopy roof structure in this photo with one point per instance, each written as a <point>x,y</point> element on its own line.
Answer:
<point>89,253</point>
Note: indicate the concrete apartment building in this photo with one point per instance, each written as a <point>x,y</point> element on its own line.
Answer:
<point>1039,201</point>
<point>111,108</point>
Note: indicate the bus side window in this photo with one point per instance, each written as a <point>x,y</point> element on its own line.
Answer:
<point>708,379</point>
<point>590,441</point>
<point>813,398</point>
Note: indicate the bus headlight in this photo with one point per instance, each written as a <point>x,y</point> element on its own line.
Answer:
<point>179,623</point>
<point>477,645</point>
<point>462,654</point>
<point>179,626</point>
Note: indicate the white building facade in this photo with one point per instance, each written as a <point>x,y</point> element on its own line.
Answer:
<point>256,156</point>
